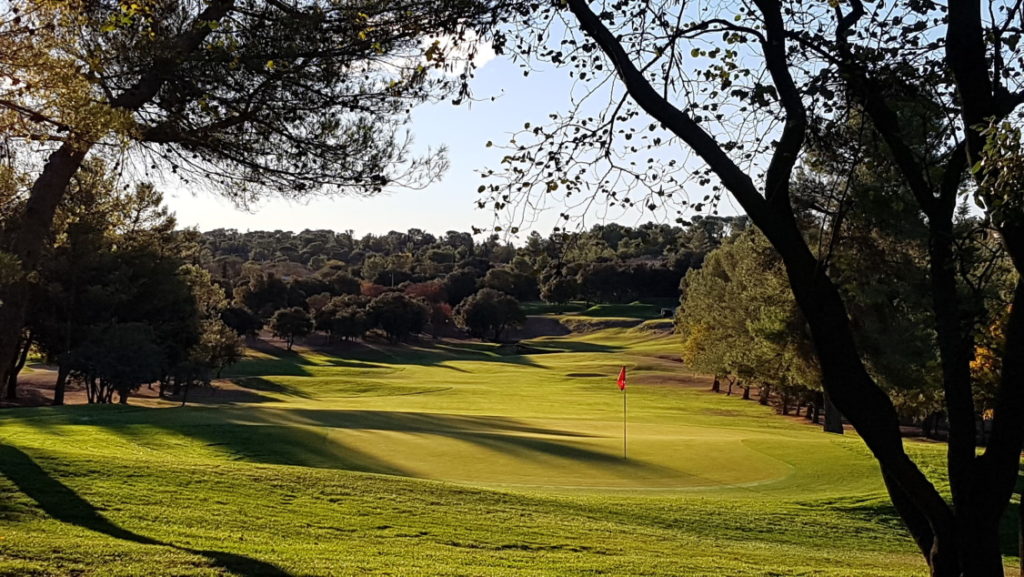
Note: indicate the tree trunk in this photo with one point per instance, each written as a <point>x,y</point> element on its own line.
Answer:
<point>19,364</point>
<point>833,419</point>
<point>184,396</point>
<point>62,380</point>
<point>122,397</point>
<point>1020,531</point>
<point>746,392</point>
<point>716,386</point>
<point>32,228</point>
<point>763,394</point>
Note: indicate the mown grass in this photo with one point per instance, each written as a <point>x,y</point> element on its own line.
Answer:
<point>455,459</point>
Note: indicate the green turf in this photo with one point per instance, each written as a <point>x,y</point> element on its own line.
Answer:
<point>455,459</point>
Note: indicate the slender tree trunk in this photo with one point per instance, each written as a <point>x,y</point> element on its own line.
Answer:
<point>763,393</point>
<point>1020,531</point>
<point>716,386</point>
<point>184,396</point>
<point>746,392</point>
<point>19,364</point>
<point>62,382</point>
<point>122,397</point>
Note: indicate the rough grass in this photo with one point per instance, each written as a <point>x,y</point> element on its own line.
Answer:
<point>456,459</point>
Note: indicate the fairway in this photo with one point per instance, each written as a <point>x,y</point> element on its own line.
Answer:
<point>456,458</point>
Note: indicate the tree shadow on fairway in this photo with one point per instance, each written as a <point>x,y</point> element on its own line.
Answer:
<point>321,438</point>
<point>63,504</point>
<point>545,346</point>
<point>268,386</point>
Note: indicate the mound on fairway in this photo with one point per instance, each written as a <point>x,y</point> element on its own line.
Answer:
<point>449,459</point>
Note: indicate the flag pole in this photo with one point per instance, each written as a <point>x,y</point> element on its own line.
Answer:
<point>621,382</point>
<point>624,458</point>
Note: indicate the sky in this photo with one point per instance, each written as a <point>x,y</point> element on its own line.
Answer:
<point>449,204</point>
<point>445,205</point>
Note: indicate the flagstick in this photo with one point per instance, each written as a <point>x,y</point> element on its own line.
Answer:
<point>624,458</point>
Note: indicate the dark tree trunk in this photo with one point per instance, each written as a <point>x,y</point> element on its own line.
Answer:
<point>833,419</point>
<point>1020,531</point>
<point>19,364</point>
<point>184,396</point>
<point>716,386</point>
<point>764,392</point>
<point>746,392</point>
<point>61,385</point>
<point>122,397</point>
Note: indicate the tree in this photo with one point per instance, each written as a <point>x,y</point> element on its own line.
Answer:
<point>120,358</point>
<point>240,320</point>
<point>738,320</point>
<point>397,315</point>
<point>290,323</point>
<point>558,287</point>
<point>459,284</point>
<point>245,95</point>
<point>679,74</point>
<point>344,317</point>
<point>219,346</point>
<point>489,313</point>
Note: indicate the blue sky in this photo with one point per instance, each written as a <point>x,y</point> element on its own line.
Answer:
<point>445,205</point>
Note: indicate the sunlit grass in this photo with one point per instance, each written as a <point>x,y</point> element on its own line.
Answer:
<point>448,459</point>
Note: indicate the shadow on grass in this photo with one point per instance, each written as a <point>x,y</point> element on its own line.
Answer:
<point>63,504</point>
<point>370,355</point>
<point>310,437</point>
<point>560,346</point>
<point>267,386</point>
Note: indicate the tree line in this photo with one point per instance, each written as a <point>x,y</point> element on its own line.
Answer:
<point>124,298</point>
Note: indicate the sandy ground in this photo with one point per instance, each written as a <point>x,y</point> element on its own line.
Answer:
<point>35,389</point>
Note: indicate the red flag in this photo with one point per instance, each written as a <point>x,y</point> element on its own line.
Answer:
<point>622,379</point>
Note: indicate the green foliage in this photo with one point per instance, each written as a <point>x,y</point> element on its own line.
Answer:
<point>219,346</point>
<point>398,315</point>
<point>120,357</point>
<point>291,323</point>
<point>489,313</point>
<point>344,317</point>
<point>738,318</point>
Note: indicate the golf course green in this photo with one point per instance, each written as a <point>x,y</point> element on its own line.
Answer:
<point>454,458</point>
